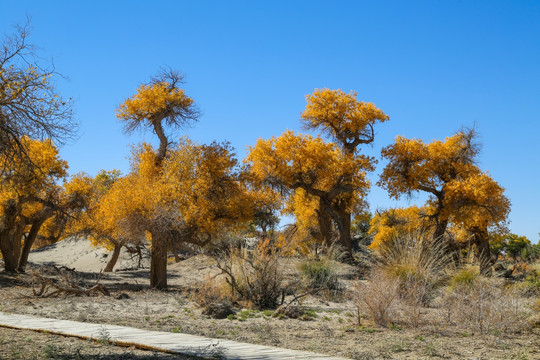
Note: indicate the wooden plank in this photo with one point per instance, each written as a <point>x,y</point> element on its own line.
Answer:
<point>157,340</point>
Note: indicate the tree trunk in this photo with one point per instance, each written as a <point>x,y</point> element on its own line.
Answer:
<point>158,263</point>
<point>175,253</point>
<point>163,141</point>
<point>114,258</point>
<point>440,229</point>
<point>27,246</point>
<point>345,240</point>
<point>10,245</point>
<point>325,223</point>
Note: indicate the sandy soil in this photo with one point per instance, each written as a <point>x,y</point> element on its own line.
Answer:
<point>30,345</point>
<point>333,330</point>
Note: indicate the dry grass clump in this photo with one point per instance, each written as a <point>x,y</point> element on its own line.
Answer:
<point>214,298</point>
<point>465,276</point>
<point>408,270</point>
<point>484,305</point>
<point>530,285</point>
<point>319,275</point>
<point>419,264</point>
<point>379,296</point>
<point>253,275</point>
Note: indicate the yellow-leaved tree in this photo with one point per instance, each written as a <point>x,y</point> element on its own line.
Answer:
<point>193,194</point>
<point>90,223</point>
<point>30,104</point>
<point>29,196</point>
<point>333,173</point>
<point>459,191</point>
<point>184,194</point>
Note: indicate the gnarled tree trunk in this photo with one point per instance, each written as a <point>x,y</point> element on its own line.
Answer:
<point>158,262</point>
<point>325,223</point>
<point>28,242</point>
<point>10,245</point>
<point>113,259</point>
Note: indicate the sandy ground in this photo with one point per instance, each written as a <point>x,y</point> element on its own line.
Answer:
<point>333,329</point>
<point>80,255</point>
<point>32,345</point>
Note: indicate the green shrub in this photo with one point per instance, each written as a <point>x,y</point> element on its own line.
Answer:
<point>320,274</point>
<point>464,277</point>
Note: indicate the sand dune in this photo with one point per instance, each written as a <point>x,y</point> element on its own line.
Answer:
<point>79,254</point>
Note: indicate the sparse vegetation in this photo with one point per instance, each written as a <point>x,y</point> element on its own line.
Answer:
<point>204,226</point>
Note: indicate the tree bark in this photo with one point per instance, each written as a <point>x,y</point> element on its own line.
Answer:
<point>325,223</point>
<point>163,141</point>
<point>10,245</point>
<point>28,242</point>
<point>114,258</point>
<point>345,234</point>
<point>175,253</point>
<point>158,263</point>
<point>440,229</point>
<point>343,222</point>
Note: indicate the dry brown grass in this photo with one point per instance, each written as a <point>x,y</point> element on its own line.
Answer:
<point>379,296</point>
<point>420,265</point>
<point>485,305</point>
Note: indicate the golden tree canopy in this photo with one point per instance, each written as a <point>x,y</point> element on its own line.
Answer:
<point>195,191</point>
<point>296,161</point>
<point>345,118</point>
<point>387,225</point>
<point>417,166</point>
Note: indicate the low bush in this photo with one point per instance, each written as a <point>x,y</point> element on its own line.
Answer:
<point>530,285</point>
<point>465,276</point>
<point>253,275</point>
<point>379,296</point>
<point>416,262</point>
<point>484,305</point>
<point>320,274</point>
<point>214,299</point>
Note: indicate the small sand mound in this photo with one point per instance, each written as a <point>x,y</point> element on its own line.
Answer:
<point>79,254</point>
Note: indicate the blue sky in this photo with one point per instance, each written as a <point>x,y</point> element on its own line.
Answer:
<point>433,66</point>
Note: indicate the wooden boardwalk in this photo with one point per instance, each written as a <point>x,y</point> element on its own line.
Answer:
<point>157,340</point>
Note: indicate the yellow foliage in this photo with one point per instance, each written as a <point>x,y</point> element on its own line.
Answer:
<point>387,225</point>
<point>304,209</point>
<point>151,100</point>
<point>194,192</point>
<point>304,161</point>
<point>477,201</point>
<point>345,118</point>
<point>27,184</point>
<point>460,193</point>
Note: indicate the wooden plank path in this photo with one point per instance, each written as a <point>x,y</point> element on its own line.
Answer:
<point>157,340</point>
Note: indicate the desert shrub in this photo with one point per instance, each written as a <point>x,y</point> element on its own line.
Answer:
<point>416,262</point>
<point>530,285</point>
<point>484,306</point>
<point>320,274</point>
<point>290,311</point>
<point>379,296</point>
<point>531,253</point>
<point>214,298</point>
<point>465,276</point>
<point>253,275</point>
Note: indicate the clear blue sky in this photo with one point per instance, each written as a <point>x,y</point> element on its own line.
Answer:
<point>433,66</point>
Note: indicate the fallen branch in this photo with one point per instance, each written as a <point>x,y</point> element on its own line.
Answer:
<point>68,287</point>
